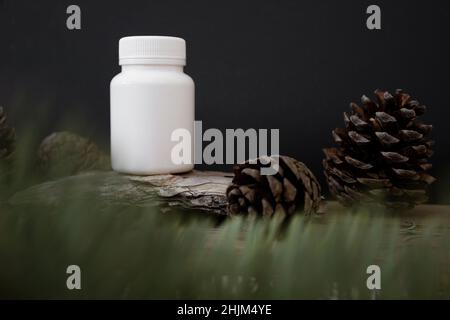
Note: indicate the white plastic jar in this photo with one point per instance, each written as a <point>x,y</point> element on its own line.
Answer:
<point>150,98</point>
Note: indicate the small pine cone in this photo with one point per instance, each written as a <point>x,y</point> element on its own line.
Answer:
<point>66,153</point>
<point>383,154</point>
<point>7,137</point>
<point>293,186</point>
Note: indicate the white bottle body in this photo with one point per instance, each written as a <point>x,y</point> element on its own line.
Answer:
<point>149,102</point>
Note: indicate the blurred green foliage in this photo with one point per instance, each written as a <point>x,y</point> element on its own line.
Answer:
<point>129,252</point>
<point>140,252</point>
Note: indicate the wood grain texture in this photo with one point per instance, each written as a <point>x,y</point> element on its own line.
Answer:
<point>197,190</point>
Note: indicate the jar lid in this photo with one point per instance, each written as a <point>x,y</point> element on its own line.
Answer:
<point>152,50</point>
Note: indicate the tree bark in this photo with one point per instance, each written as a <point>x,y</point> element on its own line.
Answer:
<point>197,190</point>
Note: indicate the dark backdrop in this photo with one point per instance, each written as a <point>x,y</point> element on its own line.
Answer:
<point>292,65</point>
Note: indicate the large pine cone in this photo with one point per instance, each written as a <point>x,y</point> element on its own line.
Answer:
<point>7,137</point>
<point>65,153</point>
<point>294,186</point>
<point>383,154</point>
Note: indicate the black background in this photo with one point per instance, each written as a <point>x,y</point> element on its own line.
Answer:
<point>292,65</point>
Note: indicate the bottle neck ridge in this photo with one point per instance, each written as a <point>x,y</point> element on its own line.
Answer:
<point>152,67</point>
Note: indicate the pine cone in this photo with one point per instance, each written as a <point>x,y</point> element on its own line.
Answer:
<point>292,187</point>
<point>66,153</point>
<point>7,137</point>
<point>383,153</point>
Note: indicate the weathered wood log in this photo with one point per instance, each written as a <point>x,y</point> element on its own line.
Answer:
<point>200,190</point>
